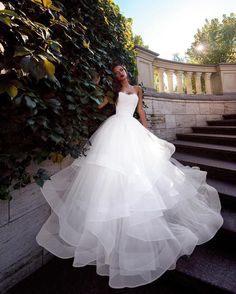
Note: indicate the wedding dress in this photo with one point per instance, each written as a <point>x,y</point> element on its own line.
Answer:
<point>126,206</point>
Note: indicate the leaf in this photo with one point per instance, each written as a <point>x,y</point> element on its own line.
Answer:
<point>86,44</point>
<point>56,157</point>
<point>39,182</point>
<point>16,83</point>
<point>25,63</point>
<point>47,3</point>
<point>37,69</point>
<point>49,67</point>
<point>71,107</point>
<point>7,21</point>
<point>2,7</point>
<point>84,99</point>
<point>56,46</point>
<point>9,12</point>
<point>63,19</point>
<point>12,91</point>
<point>59,130</point>
<point>31,122</point>
<point>24,37</point>
<point>1,49</point>
<point>74,152</point>
<point>95,99</point>
<point>70,98</point>
<point>56,138</point>
<point>53,7</point>
<point>22,51</point>
<point>29,102</point>
<point>54,80</point>
<point>55,103</point>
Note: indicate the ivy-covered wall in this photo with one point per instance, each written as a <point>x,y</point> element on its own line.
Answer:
<point>51,54</point>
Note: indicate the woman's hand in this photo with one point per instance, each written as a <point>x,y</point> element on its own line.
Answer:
<point>97,79</point>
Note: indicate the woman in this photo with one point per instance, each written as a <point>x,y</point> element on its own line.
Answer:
<point>121,83</point>
<point>126,206</point>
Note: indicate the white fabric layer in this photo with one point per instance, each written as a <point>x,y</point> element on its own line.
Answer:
<point>127,206</point>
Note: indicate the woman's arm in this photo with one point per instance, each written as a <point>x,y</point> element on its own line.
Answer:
<point>140,109</point>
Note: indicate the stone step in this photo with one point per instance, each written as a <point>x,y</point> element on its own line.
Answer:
<point>230,130</point>
<point>229,140</point>
<point>206,150</point>
<point>226,190</point>
<point>217,169</point>
<point>229,216</point>
<point>58,276</point>
<point>209,269</point>
<point>226,235</point>
<point>229,116</point>
<point>226,122</point>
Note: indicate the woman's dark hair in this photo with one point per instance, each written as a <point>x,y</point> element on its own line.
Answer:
<point>116,85</point>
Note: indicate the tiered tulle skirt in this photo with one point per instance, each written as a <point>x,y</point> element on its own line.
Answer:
<point>127,206</point>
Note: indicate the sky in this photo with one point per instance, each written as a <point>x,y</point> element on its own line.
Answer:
<point>169,26</point>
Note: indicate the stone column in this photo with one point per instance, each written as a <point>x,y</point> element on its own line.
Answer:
<point>170,80</point>
<point>188,76</point>
<point>198,82</point>
<point>207,78</point>
<point>179,76</point>
<point>161,79</point>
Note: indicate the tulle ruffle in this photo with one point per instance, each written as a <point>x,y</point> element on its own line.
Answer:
<point>127,206</point>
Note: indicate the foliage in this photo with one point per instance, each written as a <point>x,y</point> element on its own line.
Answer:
<point>51,53</point>
<point>215,42</point>
<point>178,58</point>
<point>138,40</point>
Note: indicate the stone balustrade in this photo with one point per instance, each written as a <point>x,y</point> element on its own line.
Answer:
<point>183,78</point>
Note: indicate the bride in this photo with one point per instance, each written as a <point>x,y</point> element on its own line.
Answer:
<point>126,206</point>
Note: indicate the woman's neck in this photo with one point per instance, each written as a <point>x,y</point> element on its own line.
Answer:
<point>126,86</point>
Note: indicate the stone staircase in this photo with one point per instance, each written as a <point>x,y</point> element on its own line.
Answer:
<point>212,266</point>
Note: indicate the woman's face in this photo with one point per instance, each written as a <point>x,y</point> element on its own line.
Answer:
<point>120,73</point>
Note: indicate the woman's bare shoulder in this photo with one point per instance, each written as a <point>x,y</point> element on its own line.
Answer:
<point>137,88</point>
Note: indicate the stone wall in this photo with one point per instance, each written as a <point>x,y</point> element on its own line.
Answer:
<point>20,221</point>
<point>170,114</point>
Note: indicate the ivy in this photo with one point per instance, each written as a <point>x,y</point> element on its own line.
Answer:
<point>50,54</point>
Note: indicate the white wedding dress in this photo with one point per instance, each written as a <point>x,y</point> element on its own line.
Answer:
<point>126,206</point>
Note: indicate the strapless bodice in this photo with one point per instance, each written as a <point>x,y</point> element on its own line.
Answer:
<point>126,103</point>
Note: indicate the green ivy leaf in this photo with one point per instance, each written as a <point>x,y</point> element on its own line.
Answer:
<point>41,176</point>
<point>22,51</point>
<point>71,107</point>
<point>9,12</point>
<point>54,103</point>
<point>39,182</point>
<point>56,138</point>
<point>7,21</point>
<point>29,102</point>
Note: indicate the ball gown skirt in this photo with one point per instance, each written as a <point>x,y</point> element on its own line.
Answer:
<point>126,206</point>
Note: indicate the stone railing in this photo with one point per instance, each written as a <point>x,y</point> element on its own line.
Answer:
<point>180,96</point>
<point>183,78</point>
